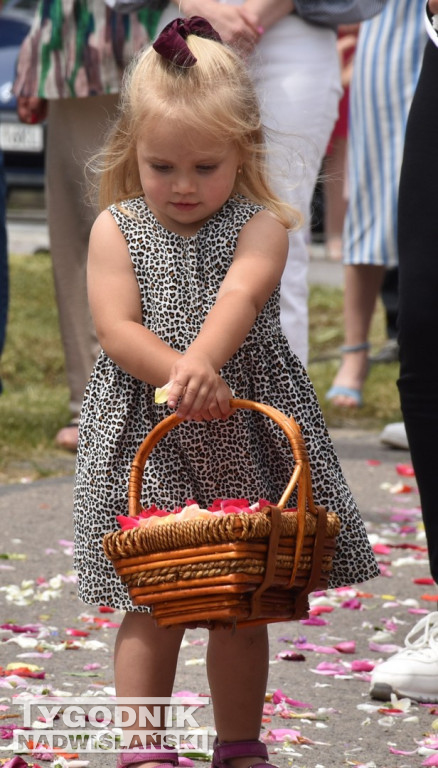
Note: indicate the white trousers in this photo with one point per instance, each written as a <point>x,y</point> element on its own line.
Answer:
<point>296,71</point>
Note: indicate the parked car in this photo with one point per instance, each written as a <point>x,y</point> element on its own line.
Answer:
<point>22,145</point>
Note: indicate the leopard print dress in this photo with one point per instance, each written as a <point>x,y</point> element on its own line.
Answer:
<point>245,456</point>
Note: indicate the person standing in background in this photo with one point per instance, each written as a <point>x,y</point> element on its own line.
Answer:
<point>4,270</point>
<point>386,69</point>
<point>70,69</point>
<point>296,69</point>
<point>413,671</point>
<point>335,161</point>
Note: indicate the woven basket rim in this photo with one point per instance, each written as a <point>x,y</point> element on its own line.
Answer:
<point>231,528</point>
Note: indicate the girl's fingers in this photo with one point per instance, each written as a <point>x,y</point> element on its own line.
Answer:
<point>192,402</point>
<point>175,394</point>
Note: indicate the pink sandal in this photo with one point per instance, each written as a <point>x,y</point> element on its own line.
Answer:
<point>168,758</point>
<point>228,750</point>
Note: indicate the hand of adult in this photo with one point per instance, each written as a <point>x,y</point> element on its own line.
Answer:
<point>267,12</point>
<point>236,25</point>
<point>31,109</point>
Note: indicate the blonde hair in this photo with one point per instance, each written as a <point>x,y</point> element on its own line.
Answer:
<point>215,96</point>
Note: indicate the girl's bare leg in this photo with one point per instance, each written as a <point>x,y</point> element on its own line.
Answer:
<point>145,661</point>
<point>237,670</point>
<point>362,287</point>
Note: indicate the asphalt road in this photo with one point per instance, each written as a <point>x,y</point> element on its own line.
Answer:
<point>318,710</point>
<point>334,723</point>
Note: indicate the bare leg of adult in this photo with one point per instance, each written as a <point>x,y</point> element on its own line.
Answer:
<point>145,661</point>
<point>76,128</point>
<point>237,669</point>
<point>335,204</point>
<point>362,287</point>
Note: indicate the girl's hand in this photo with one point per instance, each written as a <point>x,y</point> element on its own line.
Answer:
<point>196,392</point>
<point>220,408</point>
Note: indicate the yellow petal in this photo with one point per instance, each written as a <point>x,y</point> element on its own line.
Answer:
<point>162,393</point>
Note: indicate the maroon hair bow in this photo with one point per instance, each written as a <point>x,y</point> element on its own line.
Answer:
<point>171,43</point>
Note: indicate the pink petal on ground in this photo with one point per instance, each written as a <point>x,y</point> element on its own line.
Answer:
<point>362,665</point>
<point>384,647</point>
<point>285,734</point>
<point>298,704</point>
<point>318,648</point>
<point>353,605</point>
<point>183,694</point>
<point>327,668</point>
<point>373,462</point>
<point>22,628</point>
<point>278,697</point>
<point>418,611</point>
<point>190,697</point>
<point>349,646</point>
<point>314,621</point>
<point>381,549</point>
<point>431,760</point>
<point>405,470</point>
<point>317,609</point>
<point>16,762</point>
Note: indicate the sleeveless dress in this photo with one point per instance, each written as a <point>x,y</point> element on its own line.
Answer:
<point>245,456</point>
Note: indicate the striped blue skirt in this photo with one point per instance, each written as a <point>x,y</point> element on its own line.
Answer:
<point>387,66</point>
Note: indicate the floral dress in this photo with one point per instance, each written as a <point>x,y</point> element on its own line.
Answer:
<point>246,456</point>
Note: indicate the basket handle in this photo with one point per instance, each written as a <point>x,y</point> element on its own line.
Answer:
<point>287,424</point>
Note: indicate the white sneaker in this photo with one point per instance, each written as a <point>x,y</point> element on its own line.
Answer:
<point>395,436</point>
<point>413,671</point>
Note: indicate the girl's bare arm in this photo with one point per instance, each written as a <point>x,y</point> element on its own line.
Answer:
<point>115,305</point>
<point>255,272</point>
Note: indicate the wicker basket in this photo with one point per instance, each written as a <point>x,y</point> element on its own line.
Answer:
<point>233,569</point>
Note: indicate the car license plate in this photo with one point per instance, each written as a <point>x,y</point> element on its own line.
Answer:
<point>17,137</point>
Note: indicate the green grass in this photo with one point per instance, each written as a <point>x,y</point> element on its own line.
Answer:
<point>381,400</point>
<point>34,404</point>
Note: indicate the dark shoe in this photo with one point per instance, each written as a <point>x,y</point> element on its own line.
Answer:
<point>229,750</point>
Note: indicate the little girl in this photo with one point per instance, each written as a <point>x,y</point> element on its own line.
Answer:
<point>184,273</point>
